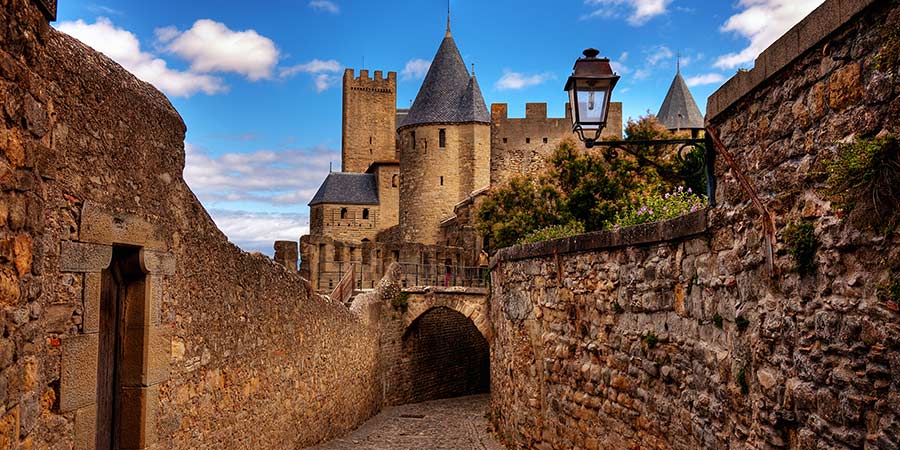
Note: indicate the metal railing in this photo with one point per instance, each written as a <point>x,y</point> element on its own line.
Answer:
<point>344,289</point>
<point>362,276</point>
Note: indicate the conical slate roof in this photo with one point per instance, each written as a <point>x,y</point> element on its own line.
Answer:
<point>679,111</point>
<point>448,94</point>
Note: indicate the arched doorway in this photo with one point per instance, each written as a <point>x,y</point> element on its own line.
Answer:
<point>444,355</point>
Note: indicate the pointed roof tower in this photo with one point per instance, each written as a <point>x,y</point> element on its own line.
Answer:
<point>679,111</point>
<point>449,93</point>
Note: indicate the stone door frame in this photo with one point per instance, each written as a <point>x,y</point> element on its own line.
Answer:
<point>149,346</point>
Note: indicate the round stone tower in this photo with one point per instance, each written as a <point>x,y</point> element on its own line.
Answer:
<point>445,146</point>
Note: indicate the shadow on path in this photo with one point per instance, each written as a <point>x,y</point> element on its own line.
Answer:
<point>451,424</point>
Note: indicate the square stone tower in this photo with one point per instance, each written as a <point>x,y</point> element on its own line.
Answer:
<point>370,112</point>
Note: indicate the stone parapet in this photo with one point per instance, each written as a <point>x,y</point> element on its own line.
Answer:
<point>816,27</point>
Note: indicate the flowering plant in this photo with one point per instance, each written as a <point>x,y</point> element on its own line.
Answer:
<point>656,207</point>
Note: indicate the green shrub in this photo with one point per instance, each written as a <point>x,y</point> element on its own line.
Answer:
<point>863,178</point>
<point>659,207</point>
<point>890,288</point>
<point>553,232</point>
<point>401,302</point>
<point>800,238</point>
<point>742,381</point>
<point>650,339</point>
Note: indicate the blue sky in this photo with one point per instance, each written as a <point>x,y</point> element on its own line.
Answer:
<point>259,85</point>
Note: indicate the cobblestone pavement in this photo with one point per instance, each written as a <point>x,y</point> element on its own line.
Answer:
<point>452,424</point>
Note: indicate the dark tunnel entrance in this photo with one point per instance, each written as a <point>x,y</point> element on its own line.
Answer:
<point>444,356</point>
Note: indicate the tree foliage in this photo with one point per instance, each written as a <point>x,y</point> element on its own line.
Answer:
<point>584,187</point>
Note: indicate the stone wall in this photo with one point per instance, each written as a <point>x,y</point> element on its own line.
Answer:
<point>434,344</point>
<point>520,146</point>
<point>369,119</point>
<point>345,222</point>
<point>224,349</point>
<point>433,179</point>
<point>656,338</point>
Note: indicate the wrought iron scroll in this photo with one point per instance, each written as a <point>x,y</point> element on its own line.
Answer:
<point>685,147</point>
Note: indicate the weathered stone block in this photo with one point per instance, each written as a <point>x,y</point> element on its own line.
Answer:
<point>819,24</point>
<point>78,377</point>
<point>845,87</point>
<point>86,428</point>
<point>138,421</point>
<point>91,302</point>
<point>102,227</point>
<point>157,262</point>
<point>82,257</point>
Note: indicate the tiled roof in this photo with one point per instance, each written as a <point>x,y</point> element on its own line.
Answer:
<point>448,94</point>
<point>679,111</point>
<point>347,189</point>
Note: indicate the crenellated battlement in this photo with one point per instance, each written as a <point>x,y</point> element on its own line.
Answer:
<point>376,78</point>
<point>500,111</point>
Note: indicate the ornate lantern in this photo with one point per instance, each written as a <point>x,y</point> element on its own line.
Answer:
<point>590,88</point>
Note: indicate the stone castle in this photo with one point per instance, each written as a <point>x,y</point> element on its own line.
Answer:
<point>410,177</point>
<point>129,321</point>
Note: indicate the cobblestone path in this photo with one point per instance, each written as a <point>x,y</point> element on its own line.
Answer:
<point>452,424</point>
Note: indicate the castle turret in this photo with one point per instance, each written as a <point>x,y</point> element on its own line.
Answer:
<point>679,111</point>
<point>445,146</point>
<point>370,111</point>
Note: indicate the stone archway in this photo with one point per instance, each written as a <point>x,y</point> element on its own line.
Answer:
<point>471,303</point>
<point>443,355</point>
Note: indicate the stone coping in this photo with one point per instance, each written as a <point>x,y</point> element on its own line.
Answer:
<point>686,226</point>
<point>446,290</point>
<point>818,25</point>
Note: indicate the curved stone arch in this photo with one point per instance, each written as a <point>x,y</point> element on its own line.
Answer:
<point>473,306</point>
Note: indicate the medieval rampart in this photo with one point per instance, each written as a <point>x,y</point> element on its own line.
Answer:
<point>217,348</point>
<point>676,336</point>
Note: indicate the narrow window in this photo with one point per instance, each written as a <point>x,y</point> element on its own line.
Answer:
<point>343,213</point>
<point>545,140</point>
<point>442,138</point>
<point>370,140</point>
<point>366,214</point>
<point>442,181</point>
<point>413,137</point>
<point>527,140</point>
<point>395,180</point>
<point>504,140</point>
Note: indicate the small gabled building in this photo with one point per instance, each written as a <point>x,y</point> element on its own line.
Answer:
<point>679,112</point>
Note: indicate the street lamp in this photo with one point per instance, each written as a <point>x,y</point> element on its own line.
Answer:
<point>590,88</point>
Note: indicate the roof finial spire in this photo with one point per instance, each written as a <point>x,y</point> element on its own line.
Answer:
<point>448,18</point>
<point>678,63</point>
<point>473,69</point>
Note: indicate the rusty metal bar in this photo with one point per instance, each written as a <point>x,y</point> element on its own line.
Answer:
<point>767,218</point>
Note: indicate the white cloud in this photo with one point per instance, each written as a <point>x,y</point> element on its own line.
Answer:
<point>315,66</point>
<point>325,6</point>
<point>124,47</point>
<point>324,82</point>
<point>709,78</point>
<point>285,177</point>
<point>659,53</point>
<point>762,22</point>
<point>255,231</point>
<point>619,64</point>
<point>324,73</point>
<point>212,47</point>
<point>415,69</point>
<point>515,80</point>
<point>641,10</point>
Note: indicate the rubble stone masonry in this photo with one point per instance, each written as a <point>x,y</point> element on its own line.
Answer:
<point>223,349</point>
<point>676,336</point>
